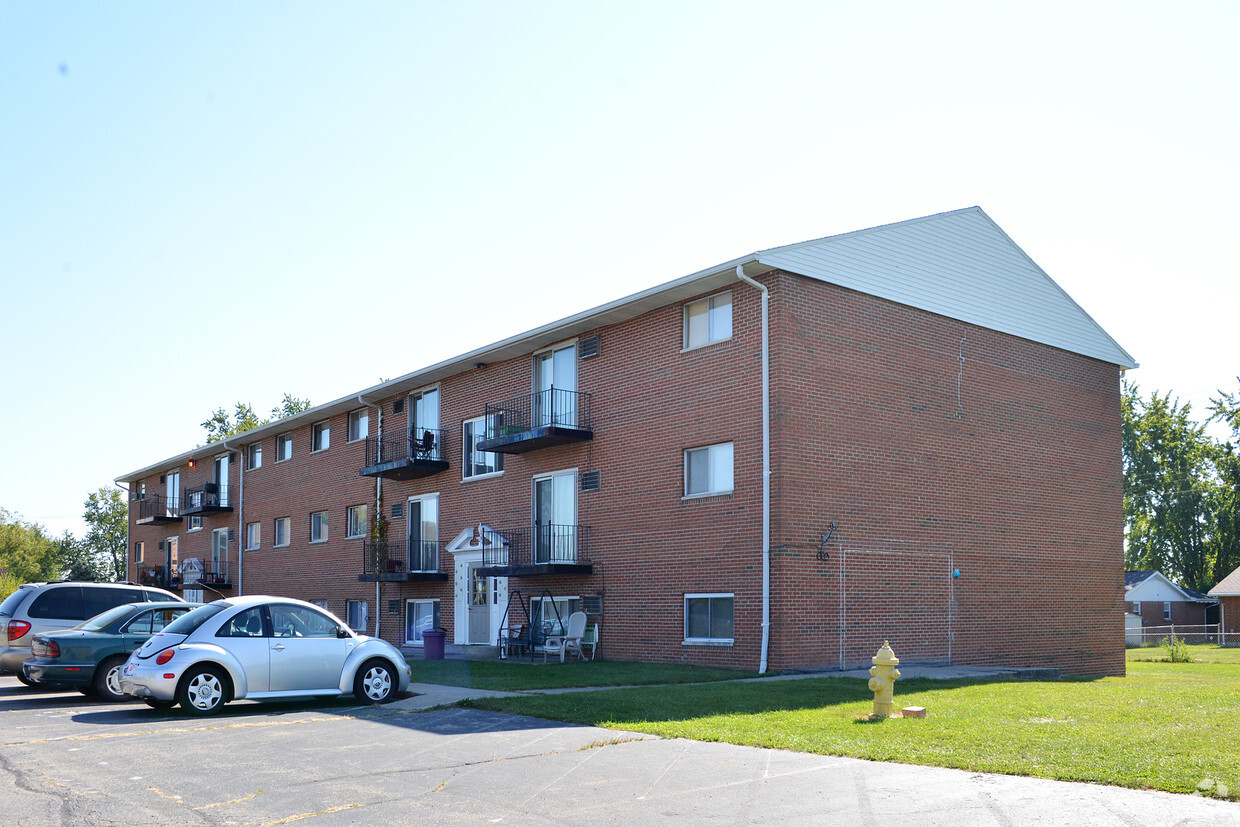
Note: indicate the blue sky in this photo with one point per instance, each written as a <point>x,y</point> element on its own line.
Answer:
<point>201,204</point>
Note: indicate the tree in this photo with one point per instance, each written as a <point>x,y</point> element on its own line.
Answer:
<point>26,552</point>
<point>1169,488</point>
<point>76,561</point>
<point>107,515</point>
<point>221,426</point>
<point>1225,541</point>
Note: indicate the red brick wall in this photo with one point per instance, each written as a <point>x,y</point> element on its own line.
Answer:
<point>1229,618</point>
<point>1183,613</point>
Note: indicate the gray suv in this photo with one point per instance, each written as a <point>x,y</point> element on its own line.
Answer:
<point>47,607</point>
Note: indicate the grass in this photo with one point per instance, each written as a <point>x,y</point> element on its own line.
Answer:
<point>1166,726</point>
<point>516,675</point>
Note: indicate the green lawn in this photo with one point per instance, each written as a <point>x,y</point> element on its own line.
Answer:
<point>515,675</point>
<point>1166,726</point>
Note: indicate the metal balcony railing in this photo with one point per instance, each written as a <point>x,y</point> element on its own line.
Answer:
<point>400,557</point>
<point>159,576</point>
<point>206,497</point>
<point>155,507</point>
<point>538,544</point>
<point>421,444</point>
<point>550,408</point>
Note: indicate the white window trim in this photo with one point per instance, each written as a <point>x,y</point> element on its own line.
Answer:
<point>549,475</point>
<point>685,347</point>
<point>347,520</point>
<point>139,552</point>
<point>1136,607</point>
<point>707,641</point>
<point>1167,610</point>
<point>288,533</point>
<point>190,528</point>
<point>349,426</point>
<point>290,446</point>
<point>488,476</point>
<point>364,626</point>
<point>327,536</point>
<point>327,423</point>
<point>248,448</point>
<point>405,623</point>
<point>259,544</point>
<point>685,471</point>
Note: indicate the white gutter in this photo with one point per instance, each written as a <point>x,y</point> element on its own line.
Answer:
<point>766,465</point>
<point>378,500</point>
<point>240,515</point>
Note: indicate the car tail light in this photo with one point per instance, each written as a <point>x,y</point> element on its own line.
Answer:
<point>44,648</point>
<point>17,628</point>
<point>164,656</point>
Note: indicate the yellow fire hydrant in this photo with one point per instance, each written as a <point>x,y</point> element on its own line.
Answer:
<point>883,680</point>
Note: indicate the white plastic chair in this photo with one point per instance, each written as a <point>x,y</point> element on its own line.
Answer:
<point>570,641</point>
<point>590,639</point>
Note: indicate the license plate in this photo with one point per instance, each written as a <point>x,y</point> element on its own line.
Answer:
<point>129,667</point>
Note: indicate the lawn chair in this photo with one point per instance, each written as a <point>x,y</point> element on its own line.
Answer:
<point>590,639</point>
<point>570,641</point>
<point>514,640</point>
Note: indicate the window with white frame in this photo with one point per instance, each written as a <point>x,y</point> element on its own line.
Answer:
<point>253,456</point>
<point>195,523</point>
<point>358,612</point>
<point>1167,610</point>
<point>478,463</point>
<point>284,447</point>
<point>139,551</point>
<point>708,470</point>
<point>555,518</point>
<point>359,424</point>
<point>322,604</point>
<point>708,618</point>
<point>283,531</point>
<point>356,521</point>
<point>549,615</point>
<point>420,616</point>
<point>318,527</point>
<point>320,437</point>
<point>1136,607</point>
<point>708,320</point>
<point>253,535</point>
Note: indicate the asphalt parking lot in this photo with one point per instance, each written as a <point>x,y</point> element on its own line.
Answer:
<point>67,760</point>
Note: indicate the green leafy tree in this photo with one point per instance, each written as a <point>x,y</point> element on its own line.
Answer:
<point>221,426</point>
<point>77,562</point>
<point>1225,540</point>
<point>107,515</point>
<point>1169,488</point>
<point>27,553</point>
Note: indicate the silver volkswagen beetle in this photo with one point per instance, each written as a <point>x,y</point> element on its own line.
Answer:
<point>261,648</point>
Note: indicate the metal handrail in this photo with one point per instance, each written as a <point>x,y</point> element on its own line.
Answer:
<point>158,506</point>
<point>207,495</point>
<point>400,557</point>
<point>419,444</point>
<point>538,544</point>
<point>553,407</point>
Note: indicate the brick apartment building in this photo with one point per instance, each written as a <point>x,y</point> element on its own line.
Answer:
<point>908,432</point>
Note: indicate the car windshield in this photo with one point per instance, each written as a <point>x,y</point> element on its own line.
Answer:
<point>101,621</point>
<point>188,622</point>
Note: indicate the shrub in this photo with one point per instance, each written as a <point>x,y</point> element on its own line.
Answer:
<point>1177,650</point>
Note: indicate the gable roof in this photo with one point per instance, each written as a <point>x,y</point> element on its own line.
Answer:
<point>1132,578</point>
<point>1135,578</point>
<point>1228,586</point>
<point>957,264</point>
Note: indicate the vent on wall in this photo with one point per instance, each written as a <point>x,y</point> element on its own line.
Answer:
<point>398,509</point>
<point>398,406</point>
<point>592,604</point>
<point>394,607</point>
<point>588,347</point>
<point>163,479</point>
<point>591,480</point>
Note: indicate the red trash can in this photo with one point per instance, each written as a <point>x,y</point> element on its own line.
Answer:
<point>432,642</point>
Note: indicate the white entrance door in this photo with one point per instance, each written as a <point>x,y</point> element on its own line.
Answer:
<point>480,601</point>
<point>479,606</point>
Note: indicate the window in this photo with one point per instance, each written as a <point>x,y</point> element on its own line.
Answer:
<point>555,518</point>
<point>359,425</point>
<point>139,550</point>
<point>320,437</point>
<point>356,522</point>
<point>1167,610</point>
<point>1136,607</point>
<point>708,618</point>
<point>245,624</point>
<point>253,536</point>
<point>708,320</point>
<point>195,523</point>
<point>284,447</point>
<point>284,527</point>
<point>318,527</point>
<point>219,551</point>
<point>322,604</point>
<point>549,615</point>
<point>478,463</point>
<point>555,387</point>
<point>253,456</point>
<point>420,616</point>
<point>300,622</point>
<point>358,615</point>
<point>422,533</point>
<point>708,470</point>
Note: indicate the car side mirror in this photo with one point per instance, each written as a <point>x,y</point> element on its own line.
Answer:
<point>342,632</point>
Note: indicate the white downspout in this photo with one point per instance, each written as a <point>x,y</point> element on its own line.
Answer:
<point>128,552</point>
<point>240,514</point>
<point>378,495</point>
<point>766,465</point>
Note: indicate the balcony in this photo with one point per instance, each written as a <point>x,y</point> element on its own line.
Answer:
<point>163,577</point>
<point>210,498</point>
<point>403,562</point>
<point>402,457</point>
<point>539,420</point>
<point>213,575</point>
<point>157,509</point>
<point>537,550</point>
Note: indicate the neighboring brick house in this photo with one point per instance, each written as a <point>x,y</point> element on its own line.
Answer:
<point>1228,594</point>
<point>942,456</point>
<point>1159,602</point>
